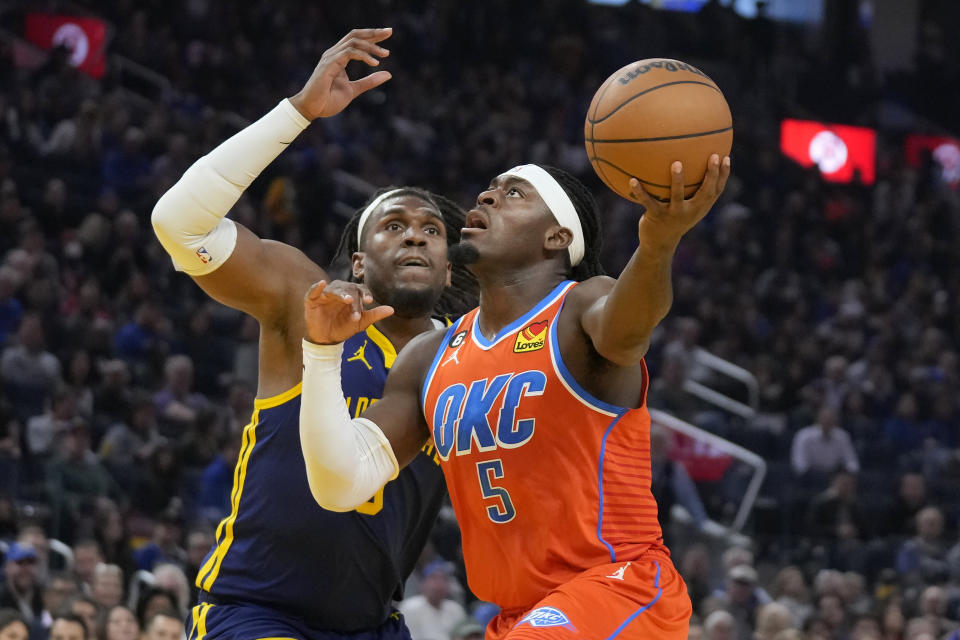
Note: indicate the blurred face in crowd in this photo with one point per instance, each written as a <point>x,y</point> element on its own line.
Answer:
<point>827,419</point>
<point>122,625</point>
<point>67,630</point>
<point>930,524</point>
<point>86,557</point>
<point>107,585</point>
<point>739,590</point>
<point>933,602</point>
<point>164,627</point>
<point>720,627</point>
<point>198,546</point>
<point>87,611</point>
<point>22,574</point>
<point>58,589</point>
<point>16,630</point>
<point>158,602</point>
<point>913,489</point>
<point>866,628</point>
<point>831,611</point>
<point>436,587</point>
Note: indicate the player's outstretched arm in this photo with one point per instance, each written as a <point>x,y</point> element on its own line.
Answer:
<point>621,322</point>
<point>348,460</point>
<point>227,260</point>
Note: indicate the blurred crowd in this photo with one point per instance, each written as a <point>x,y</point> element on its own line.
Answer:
<point>123,389</point>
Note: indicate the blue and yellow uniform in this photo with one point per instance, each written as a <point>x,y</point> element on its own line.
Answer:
<point>282,567</point>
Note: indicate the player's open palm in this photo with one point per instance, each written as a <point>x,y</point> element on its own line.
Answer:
<point>666,222</point>
<point>335,311</point>
<point>329,90</point>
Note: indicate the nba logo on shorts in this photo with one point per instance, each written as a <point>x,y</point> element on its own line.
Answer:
<point>204,255</point>
<point>547,617</point>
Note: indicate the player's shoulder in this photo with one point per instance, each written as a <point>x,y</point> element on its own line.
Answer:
<point>589,291</point>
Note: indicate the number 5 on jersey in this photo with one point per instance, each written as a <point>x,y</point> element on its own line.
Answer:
<point>501,511</point>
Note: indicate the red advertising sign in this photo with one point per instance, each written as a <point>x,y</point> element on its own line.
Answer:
<point>839,151</point>
<point>85,38</point>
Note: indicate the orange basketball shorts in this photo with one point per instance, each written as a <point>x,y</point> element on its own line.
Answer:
<point>640,599</point>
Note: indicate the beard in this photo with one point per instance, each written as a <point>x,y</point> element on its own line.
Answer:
<point>463,254</point>
<point>406,302</point>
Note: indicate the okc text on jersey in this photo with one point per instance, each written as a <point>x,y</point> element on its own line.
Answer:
<point>461,419</point>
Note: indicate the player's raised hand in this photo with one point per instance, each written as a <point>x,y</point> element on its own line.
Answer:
<point>335,311</point>
<point>664,223</point>
<point>329,89</point>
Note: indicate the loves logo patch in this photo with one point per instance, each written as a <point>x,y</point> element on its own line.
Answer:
<point>532,337</point>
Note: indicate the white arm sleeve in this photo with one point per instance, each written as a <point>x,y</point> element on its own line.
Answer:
<point>347,460</point>
<point>189,218</point>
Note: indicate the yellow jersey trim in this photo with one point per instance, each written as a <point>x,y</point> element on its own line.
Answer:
<point>208,573</point>
<point>279,399</point>
<point>386,347</point>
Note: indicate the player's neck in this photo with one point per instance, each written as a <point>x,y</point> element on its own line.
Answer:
<point>400,330</point>
<point>508,296</point>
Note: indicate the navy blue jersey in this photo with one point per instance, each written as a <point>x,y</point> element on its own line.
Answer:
<point>278,548</point>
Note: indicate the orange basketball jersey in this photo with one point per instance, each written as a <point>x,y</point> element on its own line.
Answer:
<point>546,480</point>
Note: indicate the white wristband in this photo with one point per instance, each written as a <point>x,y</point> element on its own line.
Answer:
<point>347,460</point>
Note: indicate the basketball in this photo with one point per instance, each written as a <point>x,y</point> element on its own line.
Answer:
<point>649,114</point>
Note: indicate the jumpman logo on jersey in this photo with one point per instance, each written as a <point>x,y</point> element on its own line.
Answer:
<point>358,355</point>
<point>618,574</point>
<point>454,357</point>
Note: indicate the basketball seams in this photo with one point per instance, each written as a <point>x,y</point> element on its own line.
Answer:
<point>594,120</point>
<point>681,136</point>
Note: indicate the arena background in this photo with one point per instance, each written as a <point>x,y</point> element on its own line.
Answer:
<point>819,294</point>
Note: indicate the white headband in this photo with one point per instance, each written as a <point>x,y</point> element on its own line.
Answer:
<point>370,207</point>
<point>559,203</point>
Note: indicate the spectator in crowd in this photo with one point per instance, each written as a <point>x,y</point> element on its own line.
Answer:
<point>177,405</point>
<point>75,479</point>
<point>933,607</point>
<point>720,625</point>
<point>900,515</point>
<point>164,545</point>
<point>432,615</point>
<point>823,447</point>
<point>59,588</point>
<point>45,430</point>
<point>82,608</point>
<point>130,443</point>
<point>119,624</point>
<point>790,589</point>
<point>741,597</point>
<point>22,590</point>
<point>165,624</point>
<point>29,372</point>
<point>171,578</point>
<point>152,601</point>
<point>87,554</point>
<point>923,558</point>
<point>200,540</point>
<point>69,626</point>
<point>107,588</point>
<point>216,483</point>
<point>772,618</point>
<point>836,520</point>
<point>13,626</point>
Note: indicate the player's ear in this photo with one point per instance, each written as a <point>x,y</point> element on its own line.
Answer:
<point>557,238</point>
<point>449,274</point>
<point>357,264</point>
